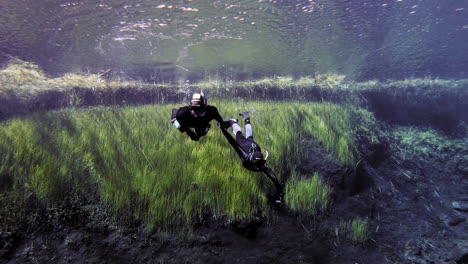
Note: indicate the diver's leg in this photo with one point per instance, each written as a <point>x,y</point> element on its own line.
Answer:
<point>270,174</point>
<point>275,181</point>
<point>248,126</point>
<point>248,130</point>
<point>236,128</point>
<point>246,116</point>
<point>192,134</point>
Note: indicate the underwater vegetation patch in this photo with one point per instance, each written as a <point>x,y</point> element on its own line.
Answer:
<point>307,195</point>
<point>412,146</point>
<point>134,160</point>
<point>27,79</point>
<point>356,230</point>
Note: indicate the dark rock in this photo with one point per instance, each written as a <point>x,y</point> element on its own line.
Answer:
<point>460,206</point>
<point>463,259</point>
<point>456,221</point>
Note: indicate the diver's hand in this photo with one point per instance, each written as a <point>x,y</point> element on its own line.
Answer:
<point>176,123</point>
<point>228,123</point>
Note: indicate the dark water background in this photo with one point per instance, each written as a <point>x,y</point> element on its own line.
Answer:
<point>176,41</point>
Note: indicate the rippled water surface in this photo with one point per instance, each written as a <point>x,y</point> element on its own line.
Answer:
<point>201,39</point>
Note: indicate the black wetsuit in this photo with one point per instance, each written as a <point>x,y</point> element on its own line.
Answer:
<point>250,147</point>
<point>200,122</point>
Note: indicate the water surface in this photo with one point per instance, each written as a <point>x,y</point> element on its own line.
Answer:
<point>190,40</point>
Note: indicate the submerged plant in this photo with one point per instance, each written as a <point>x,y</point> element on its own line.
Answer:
<point>359,229</point>
<point>307,195</point>
<point>329,80</point>
<point>144,168</point>
<point>356,230</point>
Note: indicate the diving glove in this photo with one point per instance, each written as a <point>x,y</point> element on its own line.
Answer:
<point>176,123</point>
<point>228,123</point>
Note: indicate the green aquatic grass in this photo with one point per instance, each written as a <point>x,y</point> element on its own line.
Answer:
<point>307,195</point>
<point>321,87</point>
<point>356,230</point>
<point>146,169</point>
<point>26,80</point>
<point>359,229</point>
<point>331,126</point>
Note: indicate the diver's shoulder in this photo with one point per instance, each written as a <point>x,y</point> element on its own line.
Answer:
<point>183,111</point>
<point>211,108</point>
<point>184,108</point>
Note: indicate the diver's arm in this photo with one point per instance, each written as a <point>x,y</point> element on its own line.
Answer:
<point>192,134</point>
<point>174,119</point>
<point>176,124</point>
<point>216,115</point>
<point>181,121</point>
<point>187,130</point>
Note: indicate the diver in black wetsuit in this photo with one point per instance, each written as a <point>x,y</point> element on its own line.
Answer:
<point>197,116</point>
<point>249,151</point>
